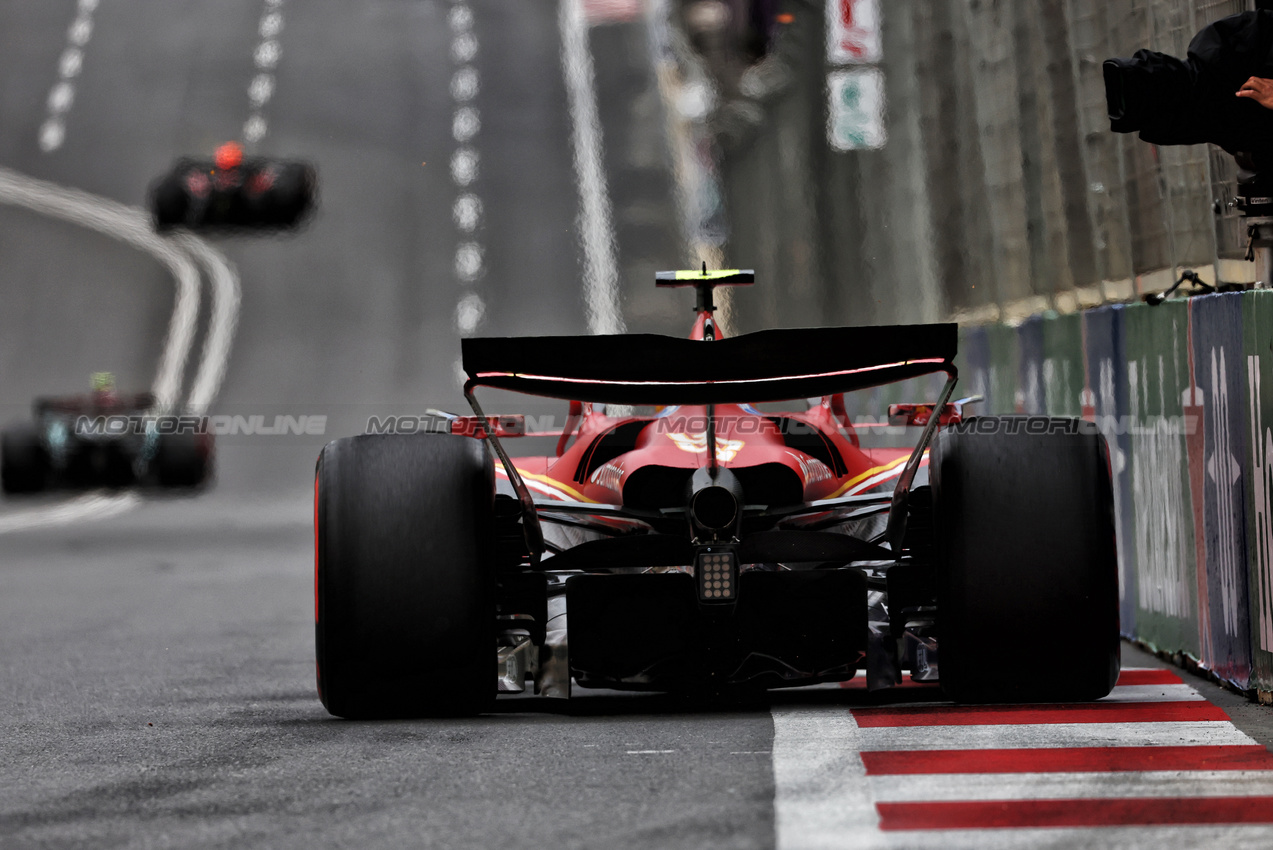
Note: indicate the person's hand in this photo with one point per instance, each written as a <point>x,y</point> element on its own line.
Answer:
<point>1258,89</point>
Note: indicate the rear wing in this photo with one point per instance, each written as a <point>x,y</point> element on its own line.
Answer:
<point>127,403</point>
<point>771,365</point>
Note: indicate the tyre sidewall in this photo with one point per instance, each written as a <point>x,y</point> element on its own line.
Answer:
<point>1027,572</point>
<point>404,581</point>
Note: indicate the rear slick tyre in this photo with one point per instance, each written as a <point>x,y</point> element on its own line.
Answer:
<point>182,460</point>
<point>404,579</point>
<point>24,465</point>
<point>1027,565</point>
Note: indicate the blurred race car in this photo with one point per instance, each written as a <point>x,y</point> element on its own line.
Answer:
<point>103,440</point>
<point>231,192</point>
<point>691,541</point>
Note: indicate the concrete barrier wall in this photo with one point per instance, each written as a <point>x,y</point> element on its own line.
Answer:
<point>1184,394</point>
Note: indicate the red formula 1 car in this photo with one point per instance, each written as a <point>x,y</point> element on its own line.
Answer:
<point>691,541</point>
<point>231,192</point>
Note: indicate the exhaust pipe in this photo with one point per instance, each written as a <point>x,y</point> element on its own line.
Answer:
<point>715,504</point>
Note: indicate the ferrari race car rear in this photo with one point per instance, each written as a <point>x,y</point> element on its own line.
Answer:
<point>995,575</point>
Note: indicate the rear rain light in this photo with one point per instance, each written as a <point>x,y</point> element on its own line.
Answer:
<point>717,576</point>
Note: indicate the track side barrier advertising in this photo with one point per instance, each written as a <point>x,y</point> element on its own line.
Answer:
<point>1004,369</point>
<point>1183,393</point>
<point>1217,448</point>
<point>1104,334</point>
<point>1063,372</point>
<point>1029,396</point>
<point>1257,344</point>
<point>1157,370</point>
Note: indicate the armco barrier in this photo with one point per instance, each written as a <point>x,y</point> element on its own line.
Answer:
<point>1217,448</point>
<point>1103,340</point>
<point>1257,344</point>
<point>1157,367</point>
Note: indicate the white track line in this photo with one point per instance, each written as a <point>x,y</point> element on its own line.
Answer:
<point>132,226</point>
<point>466,123</point>
<point>822,798</point>
<point>90,506</point>
<point>225,294</point>
<point>601,273</point>
<point>265,57</point>
<point>62,95</point>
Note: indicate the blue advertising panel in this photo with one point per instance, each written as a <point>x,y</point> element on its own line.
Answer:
<point>1219,375</point>
<point>1103,335</point>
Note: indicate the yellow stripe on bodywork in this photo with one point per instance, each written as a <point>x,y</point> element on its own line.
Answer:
<point>865,475</point>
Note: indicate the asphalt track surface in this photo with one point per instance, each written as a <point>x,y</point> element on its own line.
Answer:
<point>156,657</point>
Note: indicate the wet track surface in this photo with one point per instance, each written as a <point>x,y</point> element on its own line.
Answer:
<point>160,693</point>
<point>156,654</point>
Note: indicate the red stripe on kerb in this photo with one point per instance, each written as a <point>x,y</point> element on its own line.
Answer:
<point>1067,760</point>
<point>993,715</point>
<point>1127,677</point>
<point>1139,811</point>
<point>1149,677</point>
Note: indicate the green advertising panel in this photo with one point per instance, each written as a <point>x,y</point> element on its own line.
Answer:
<point>1157,374</point>
<point>1004,369</point>
<point>1063,368</point>
<point>1257,345</point>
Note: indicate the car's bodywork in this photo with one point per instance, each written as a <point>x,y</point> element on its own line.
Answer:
<point>707,543</point>
<point>252,194</point>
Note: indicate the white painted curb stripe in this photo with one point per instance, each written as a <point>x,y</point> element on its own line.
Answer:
<point>1153,693</point>
<point>824,799</point>
<point>1189,733</point>
<point>1056,786</point>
